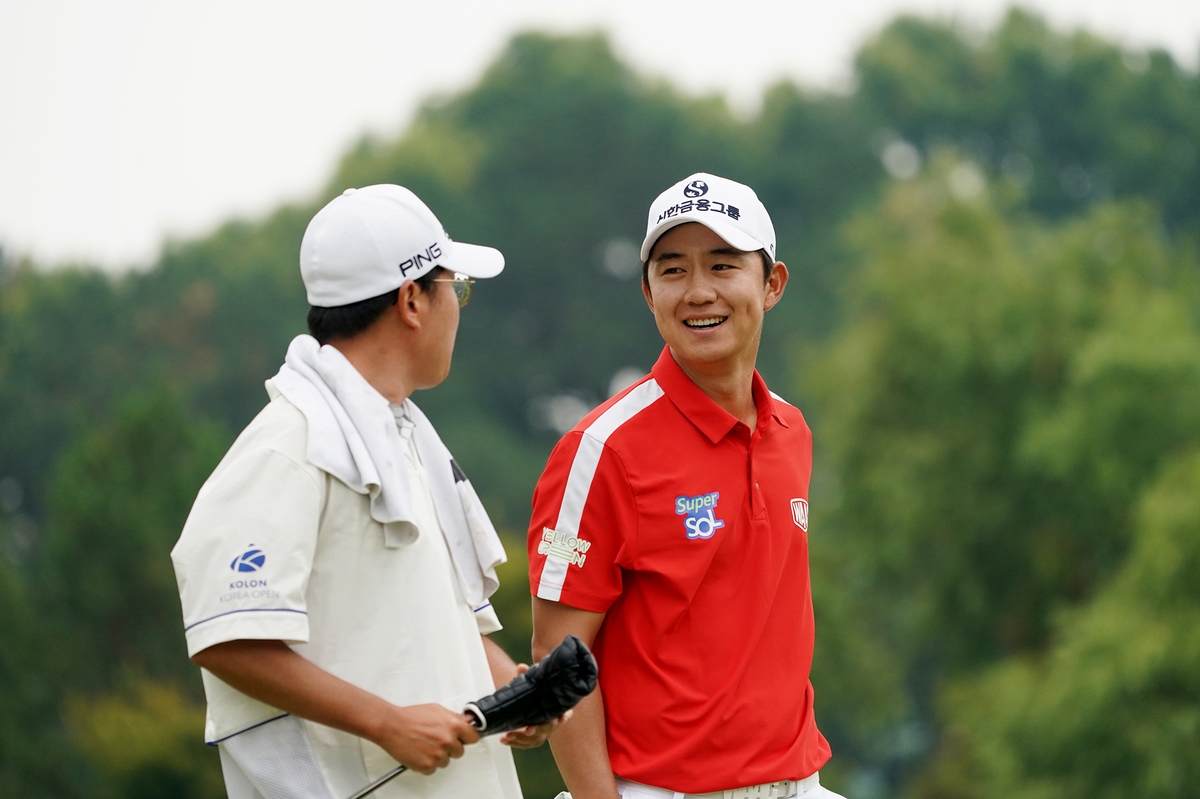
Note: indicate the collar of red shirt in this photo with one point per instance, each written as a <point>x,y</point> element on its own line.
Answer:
<point>712,420</point>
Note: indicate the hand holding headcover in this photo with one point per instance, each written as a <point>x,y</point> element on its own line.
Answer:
<point>546,691</point>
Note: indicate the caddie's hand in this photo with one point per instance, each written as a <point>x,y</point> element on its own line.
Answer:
<point>535,735</point>
<point>426,737</point>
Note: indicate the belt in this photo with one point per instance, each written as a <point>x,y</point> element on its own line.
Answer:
<point>784,789</point>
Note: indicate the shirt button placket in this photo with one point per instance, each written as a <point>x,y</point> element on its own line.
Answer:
<point>757,504</point>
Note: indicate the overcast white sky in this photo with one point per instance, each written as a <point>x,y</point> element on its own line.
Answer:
<point>126,121</point>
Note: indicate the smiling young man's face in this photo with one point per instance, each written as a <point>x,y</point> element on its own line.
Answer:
<point>709,298</point>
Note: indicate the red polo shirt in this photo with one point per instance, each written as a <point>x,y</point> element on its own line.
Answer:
<point>690,531</point>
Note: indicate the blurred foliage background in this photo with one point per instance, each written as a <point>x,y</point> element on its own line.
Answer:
<point>991,326</point>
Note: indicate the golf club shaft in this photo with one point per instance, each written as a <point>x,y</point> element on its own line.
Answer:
<point>476,719</point>
<point>378,783</point>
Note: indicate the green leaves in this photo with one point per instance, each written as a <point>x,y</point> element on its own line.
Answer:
<point>1114,709</point>
<point>999,355</point>
<point>120,497</point>
<point>144,739</point>
<point>1004,396</point>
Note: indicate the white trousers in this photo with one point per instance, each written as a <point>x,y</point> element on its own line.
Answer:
<point>809,788</point>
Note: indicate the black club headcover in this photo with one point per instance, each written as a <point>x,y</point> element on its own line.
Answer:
<point>550,688</point>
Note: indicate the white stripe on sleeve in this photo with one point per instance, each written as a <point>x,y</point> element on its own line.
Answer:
<point>583,469</point>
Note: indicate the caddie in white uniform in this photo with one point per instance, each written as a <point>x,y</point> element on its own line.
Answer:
<point>336,567</point>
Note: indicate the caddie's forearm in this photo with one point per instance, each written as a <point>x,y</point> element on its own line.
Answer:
<point>501,665</point>
<point>271,672</point>
<point>581,752</point>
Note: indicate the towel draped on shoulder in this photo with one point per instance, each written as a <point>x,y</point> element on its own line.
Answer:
<point>352,435</point>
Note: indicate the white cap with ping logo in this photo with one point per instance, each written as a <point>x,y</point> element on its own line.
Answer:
<point>730,209</point>
<point>368,241</point>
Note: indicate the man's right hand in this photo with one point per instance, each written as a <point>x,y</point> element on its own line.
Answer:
<point>425,737</point>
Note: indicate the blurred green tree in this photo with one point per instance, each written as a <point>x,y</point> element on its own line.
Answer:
<point>119,500</point>
<point>63,355</point>
<point>1010,363</point>
<point>1114,708</point>
<point>1001,397</point>
<point>1072,118</point>
<point>143,739</point>
<point>36,759</point>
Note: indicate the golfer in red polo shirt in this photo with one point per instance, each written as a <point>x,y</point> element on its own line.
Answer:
<point>670,531</point>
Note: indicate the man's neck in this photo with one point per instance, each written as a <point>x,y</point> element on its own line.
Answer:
<point>729,385</point>
<point>377,364</point>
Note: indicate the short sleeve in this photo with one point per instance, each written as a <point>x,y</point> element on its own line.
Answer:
<point>243,560</point>
<point>487,620</point>
<point>584,525</point>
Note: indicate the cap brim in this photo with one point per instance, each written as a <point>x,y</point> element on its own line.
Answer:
<point>473,260</point>
<point>732,235</point>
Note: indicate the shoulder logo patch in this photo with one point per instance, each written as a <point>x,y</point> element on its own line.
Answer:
<point>701,513</point>
<point>800,513</point>
<point>249,561</point>
<point>569,548</point>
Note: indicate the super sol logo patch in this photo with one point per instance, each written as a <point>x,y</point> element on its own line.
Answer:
<point>701,513</point>
<point>800,513</point>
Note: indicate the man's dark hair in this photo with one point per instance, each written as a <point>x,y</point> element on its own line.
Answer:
<point>347,321</point>
<point>768,265</point>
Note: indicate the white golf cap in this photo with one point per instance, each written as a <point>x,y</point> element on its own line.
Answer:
<point>368,241</point>
<point>730,209</point>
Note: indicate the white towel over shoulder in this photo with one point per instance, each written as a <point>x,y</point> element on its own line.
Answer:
<point>352,435</point>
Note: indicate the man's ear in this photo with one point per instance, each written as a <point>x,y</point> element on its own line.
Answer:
<point>411,303</point>
<point>646,293</point>
<point>776,283</point>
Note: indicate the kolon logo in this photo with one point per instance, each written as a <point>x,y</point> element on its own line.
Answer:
<point>697,188</point>
<point>249,561</point>
<point>800,513</point>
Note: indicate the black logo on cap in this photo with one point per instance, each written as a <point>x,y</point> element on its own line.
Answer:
<point>697,188</point>
<point>431,254</point>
